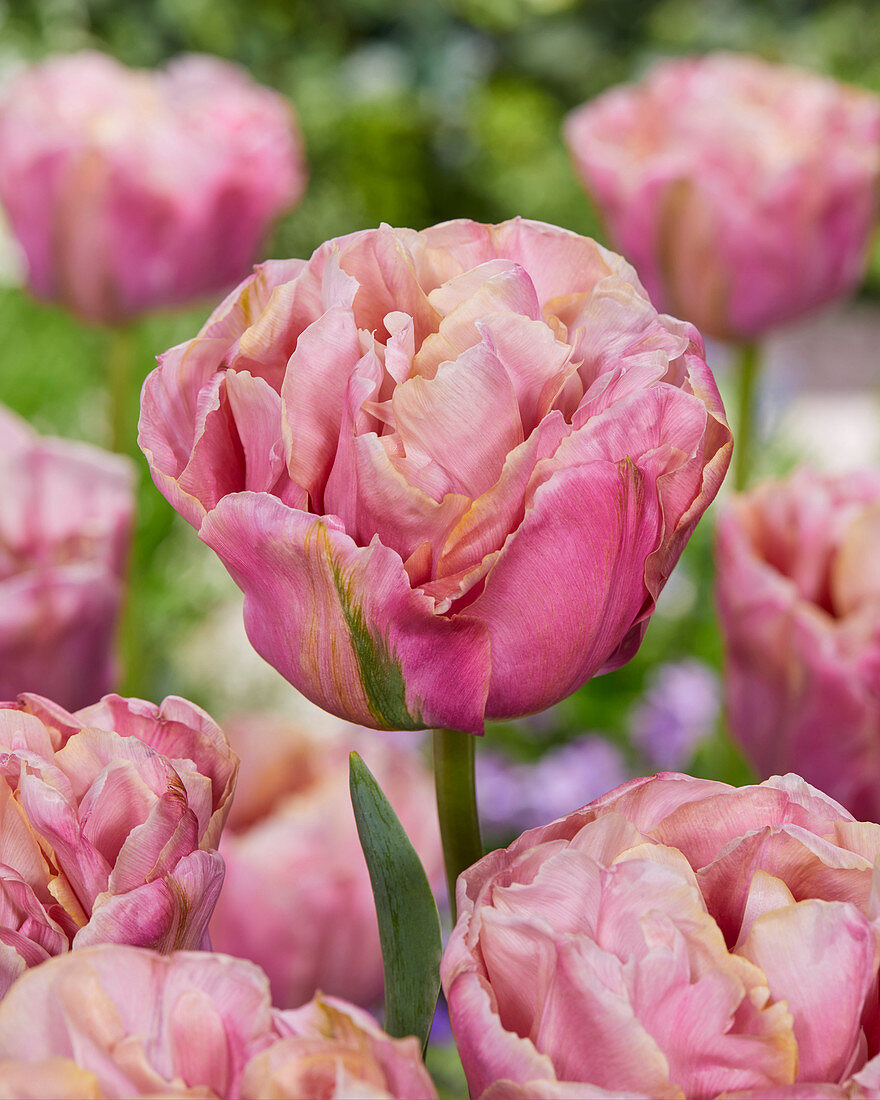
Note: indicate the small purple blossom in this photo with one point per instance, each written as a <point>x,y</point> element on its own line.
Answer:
<point>678,710</point>
<point>521,796</point>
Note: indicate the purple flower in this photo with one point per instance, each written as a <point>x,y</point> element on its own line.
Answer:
<point>678,710</point>
<point>522,796</point>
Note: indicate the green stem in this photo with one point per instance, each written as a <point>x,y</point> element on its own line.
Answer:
<point>122,389</point>
<point>456,804</point>
<point>749,366</point>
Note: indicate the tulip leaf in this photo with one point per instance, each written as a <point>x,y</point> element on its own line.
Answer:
<point>409,925</point>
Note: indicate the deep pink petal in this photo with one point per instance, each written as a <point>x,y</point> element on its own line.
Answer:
<point>575,568</point>
<point>379,655</point>
<point>171,913</point>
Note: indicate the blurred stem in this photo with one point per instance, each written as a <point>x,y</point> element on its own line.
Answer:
<point>129,638</point>
<point>121,389</point>
<point>456,804</point>
<point>748,369</point>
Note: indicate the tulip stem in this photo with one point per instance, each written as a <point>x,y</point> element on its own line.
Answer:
<point>456,804</point>
<point>748,365</point>
<point>122,391</point>
<point>123,395</point>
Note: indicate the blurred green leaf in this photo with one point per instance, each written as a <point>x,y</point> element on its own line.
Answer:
<point>409,925</point>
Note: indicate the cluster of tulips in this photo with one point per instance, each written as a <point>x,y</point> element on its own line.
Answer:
<point>451,471</point>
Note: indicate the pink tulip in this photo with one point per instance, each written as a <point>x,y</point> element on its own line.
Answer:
<point>675,938</point>
<point>129,190</point>
<point>116,1021</point>
<point>334,1050</point>
<point>743,192</point>
<point>291,841</point>
<point>65,518</point>
<point>451,470</point>
<point>109,824</point>
<point>798,585</point>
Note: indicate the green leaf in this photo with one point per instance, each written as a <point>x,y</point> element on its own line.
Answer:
<point>409,925</point>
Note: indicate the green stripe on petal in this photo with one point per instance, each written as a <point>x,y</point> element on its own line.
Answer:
<point>380,671</point>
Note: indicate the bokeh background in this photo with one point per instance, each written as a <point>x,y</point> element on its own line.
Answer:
<point>412,113</point>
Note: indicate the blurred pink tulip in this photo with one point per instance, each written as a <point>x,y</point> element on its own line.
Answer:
<point>798,583</point>
<point>675,938</point>
<point>65,518</point>
<point>744,193</point>
<point>116,1021</point>
<point>109,824</point>
<point>291,841</point>
<point>451,470</point>
<point>129,190</point>
<point>334,1050</point>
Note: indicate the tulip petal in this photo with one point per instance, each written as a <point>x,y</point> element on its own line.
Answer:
<point>484,527</point>
<point>465,419</point>
<point>487,1050</point>
<point>464,302</point>
<point>573,569</point>
<point>53,1079</point>
<point>178,730</point>
<point>48,616</point>
<point>558,261</point>
<point>312,397</point>
<point>342,622</point>
<point>384,268</point>
<point>819,958</point>
<point>569,1090</point>
<point>808,865</point>
<point>168,914</point>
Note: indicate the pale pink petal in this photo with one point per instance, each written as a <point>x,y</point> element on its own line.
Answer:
<point>487,1050</point>
<point>179,730</point>
<point>574,568</point>
<point>484,527</point>
<point>465,418</point>
<point>538,363</point>
<point>53,1079</point>
<point>809,866</point>
<point>568,1090</point>
<point>126,1015</point>
<point>57,631</point>
<point>312,397</point>
<point>330,1041</point>
<point>559,262</point>
<point>464,302</point>
<point>54,816</point>
<point>819,958</point>
<point>384,268</point>
<point>369,492</point>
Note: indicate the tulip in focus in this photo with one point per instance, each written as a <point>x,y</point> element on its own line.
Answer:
<point>744,193</point>
<point>109,823</point>
<point>129,190</point>
<point>798,585</point>
<point>675,938</point>
<point>116,1021</point>
<point>291,842</point>
<point>65,519</point>
<point>451,470</point>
